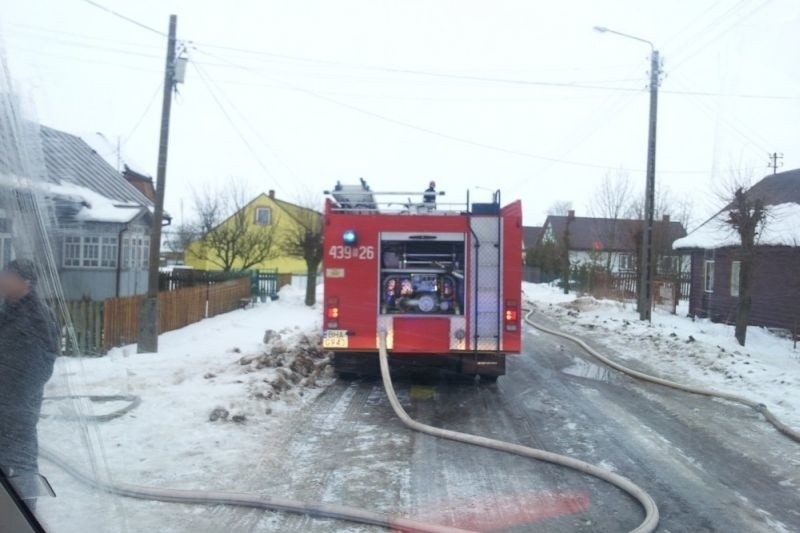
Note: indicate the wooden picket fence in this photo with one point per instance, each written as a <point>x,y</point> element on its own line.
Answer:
<point>100,326</point>
<point>87,320</point>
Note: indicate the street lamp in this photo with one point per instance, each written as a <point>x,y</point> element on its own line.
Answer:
<point>645,300</point>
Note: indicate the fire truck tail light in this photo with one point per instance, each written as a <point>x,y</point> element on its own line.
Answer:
<point>511,315</point>
<point>332,313</point>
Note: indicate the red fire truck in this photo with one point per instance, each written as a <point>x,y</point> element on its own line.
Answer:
<point>442,280</point>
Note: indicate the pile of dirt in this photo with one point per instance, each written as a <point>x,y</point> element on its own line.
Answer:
<point>290,363</point>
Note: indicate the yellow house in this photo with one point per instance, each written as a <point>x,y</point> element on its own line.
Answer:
<point>264,213</point>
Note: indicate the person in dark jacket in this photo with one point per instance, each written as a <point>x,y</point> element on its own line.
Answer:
<point>29,343</point>
<point>429,198</point>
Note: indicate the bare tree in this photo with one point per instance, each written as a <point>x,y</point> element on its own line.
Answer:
<point>667,206</point>
<point>612,197</point>
<point>304,241</point>
<point>747,216</point>
<point>178,241</point>
<point>228,238</point>
<point>611,200</point>
<point>559,208</point>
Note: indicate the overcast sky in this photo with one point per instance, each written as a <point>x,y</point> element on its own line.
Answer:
<point>471,94</point>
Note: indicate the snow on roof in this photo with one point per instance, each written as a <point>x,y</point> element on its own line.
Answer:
<point>96,207</point>
<point>782,228</point>
<point>112,154</point>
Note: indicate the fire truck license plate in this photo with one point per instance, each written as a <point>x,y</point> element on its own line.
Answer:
<point>334,338</point>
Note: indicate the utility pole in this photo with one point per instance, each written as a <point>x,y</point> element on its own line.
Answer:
<point>645,297</point>
<point>149,313</point>
<point>646,274</point>
<point>774,162</point>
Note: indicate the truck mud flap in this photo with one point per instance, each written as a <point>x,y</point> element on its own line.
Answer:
<point>487,364</point>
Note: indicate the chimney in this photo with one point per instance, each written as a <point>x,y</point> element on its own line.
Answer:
<point>272,193</point>
<point>665,218</point>
<point>571,214</point>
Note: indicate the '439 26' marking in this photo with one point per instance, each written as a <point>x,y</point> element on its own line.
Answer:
<point>352,252</point>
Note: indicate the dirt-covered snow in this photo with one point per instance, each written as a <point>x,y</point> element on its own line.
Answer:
<point>686,350</point>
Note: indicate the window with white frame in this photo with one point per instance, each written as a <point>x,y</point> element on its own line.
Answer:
<point>146,252</point>
<point>108,252</point>
<point>136,252</point>
<point>263,216</point>
<point>627,262</point>
<point>72,251</point>
<point>708,276</point>
<point>90,251</point>
<point>736,268</point>
<point>126,252</point>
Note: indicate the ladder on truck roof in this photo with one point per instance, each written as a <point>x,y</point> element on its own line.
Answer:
<point>354,197</point>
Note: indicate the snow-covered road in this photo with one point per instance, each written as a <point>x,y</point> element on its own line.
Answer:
<point>709,465</point>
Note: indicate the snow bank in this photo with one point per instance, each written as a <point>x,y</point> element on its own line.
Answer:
<point>782,228</point>
<point>216,398</point>
<point>697,352</point>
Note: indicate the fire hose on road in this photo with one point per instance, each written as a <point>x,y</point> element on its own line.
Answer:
<point>339,512</point>
<point>650,521</point>
<point>760,407</point>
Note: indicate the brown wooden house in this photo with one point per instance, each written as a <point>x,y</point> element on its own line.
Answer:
<point>715,260</point>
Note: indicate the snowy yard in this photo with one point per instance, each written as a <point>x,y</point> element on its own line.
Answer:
<point>696,352</point>
<point>214,398</point>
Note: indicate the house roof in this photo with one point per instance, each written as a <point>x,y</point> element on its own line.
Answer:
<point>530,235</point>
<point>604,234</point>
<point>113,154</point>
<point>68,158</point>
<point>780,192</point>
<point>289,208</point>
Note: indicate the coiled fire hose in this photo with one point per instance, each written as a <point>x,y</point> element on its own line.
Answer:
<point>759,407</point>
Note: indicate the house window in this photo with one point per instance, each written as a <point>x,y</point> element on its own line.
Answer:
<point>72,251</point>
<point>146,252</point>
<point>263,216</point>
<point>6,251</point>
<point>108,252</point>
<point>736,267</point>
<point>136,252</point>
<point>90,252</point>
<point>708,275</point>
<point>126,252</point>
<point>669,264</point>
<point>627,262</point>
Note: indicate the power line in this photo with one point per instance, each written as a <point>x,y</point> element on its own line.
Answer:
<point>699,49</point>
<point>247,123</point>
<point>775,161</point>
<point>150,103</point>
<point>755,143</point>
<point>206,81</point>
<point>125,18</point>
<point>440,134</point>
<point>595,85</point>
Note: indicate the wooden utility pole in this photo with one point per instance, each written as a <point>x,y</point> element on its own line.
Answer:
<point>775,161</point>
<point>149,313</point>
